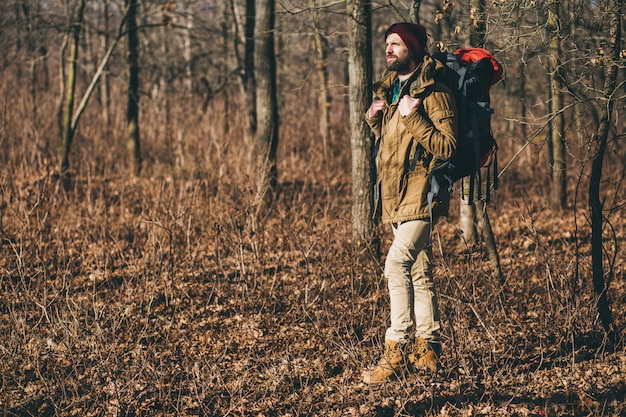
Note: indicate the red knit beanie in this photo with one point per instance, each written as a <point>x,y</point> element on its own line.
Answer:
<point>413,36</point>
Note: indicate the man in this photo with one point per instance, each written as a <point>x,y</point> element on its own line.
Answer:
<point>415,123</point>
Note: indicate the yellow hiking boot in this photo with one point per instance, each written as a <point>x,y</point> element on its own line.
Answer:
<point>425,355</point>
<point>389,364</point>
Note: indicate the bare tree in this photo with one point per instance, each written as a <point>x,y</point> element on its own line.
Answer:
<point>415,11</point>
<point>29,15</point>
<point>361,139</point>
<point>478,27</point>
<point>189,23</point>
<point>601,138</point>
<point>557,124</point>
<point>68,129</point>
<point>104,45</point>
<point>244,28</point>
<point>322,71</point>
<point>67,116</point>
<point>448,33</point>
<point>266,137</point>
<point>132,109</point>
<point>249,83</point>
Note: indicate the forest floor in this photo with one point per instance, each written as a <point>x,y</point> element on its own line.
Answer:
<point>166,297</point>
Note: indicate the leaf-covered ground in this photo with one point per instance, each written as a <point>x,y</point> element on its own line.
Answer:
<point>169,297</point>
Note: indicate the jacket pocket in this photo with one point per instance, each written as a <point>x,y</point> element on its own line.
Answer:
<point>442,115</point>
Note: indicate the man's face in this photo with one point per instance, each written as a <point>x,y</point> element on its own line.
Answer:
<point>398,57</point>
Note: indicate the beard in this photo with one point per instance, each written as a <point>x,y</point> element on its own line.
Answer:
<point>401,66</point>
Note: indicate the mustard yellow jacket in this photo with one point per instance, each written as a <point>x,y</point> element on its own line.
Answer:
<point>430,130</point>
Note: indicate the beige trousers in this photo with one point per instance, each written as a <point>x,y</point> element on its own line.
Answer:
<point>408,270</point>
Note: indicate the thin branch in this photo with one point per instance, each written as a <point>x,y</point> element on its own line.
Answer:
<point>96,77</point>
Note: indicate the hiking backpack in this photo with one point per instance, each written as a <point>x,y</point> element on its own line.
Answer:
<point>470,72</point>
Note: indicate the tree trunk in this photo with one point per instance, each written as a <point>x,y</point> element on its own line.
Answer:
<point>132,111</point>
<point>249,82</point>
<point>415,11</point>
<point>448,36</point>
<point>104,83</point>
<point>478,30</point>
<point>595,201</point>
<point>163,95</point>
<point>490,243</point>
<point>70,87</point>
<point>245,31</point>
<point>557,131</point>
<point>187,48</point>
<point>226,46</point>
<point>467,218</point>
<point>322,71</point>
<point>266,138</point>
<point>361,138</point>
<point>30,16</point>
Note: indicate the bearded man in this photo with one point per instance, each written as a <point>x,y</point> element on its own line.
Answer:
<point>414,120</point>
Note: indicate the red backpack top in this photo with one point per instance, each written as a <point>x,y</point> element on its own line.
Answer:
<point>471,55</point>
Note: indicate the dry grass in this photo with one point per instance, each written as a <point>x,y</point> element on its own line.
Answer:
<point>164,295</point>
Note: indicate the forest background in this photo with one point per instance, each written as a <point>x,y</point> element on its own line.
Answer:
<point>143,274</point>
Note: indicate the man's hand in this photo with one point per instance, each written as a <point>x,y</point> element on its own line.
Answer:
<point>377,105</point>
<point>408,104</point>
